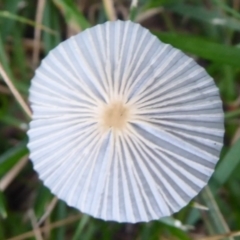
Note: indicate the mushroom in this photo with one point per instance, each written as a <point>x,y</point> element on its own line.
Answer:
<point>125,128</point>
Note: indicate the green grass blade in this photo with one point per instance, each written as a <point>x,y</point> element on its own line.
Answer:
<point>11,157</point>
<point>158,3</point>
<point>176,232</point>
<point>228,164</point>
<point>202,48</point>
<point>227,9</point>
<point>3,211</point>
<point>232,114</point>
<point>6,14</point>
<point>83,222</point>
<point>19,57</point>
<point>42,200</point>
<point>6,24</point>
<point>4,59</point>
<point>133,12</point>
<point>61,214</point>
<point>214,220</point>
<point>51,19</point>
<point>72,15</point>
<point>200,13</point>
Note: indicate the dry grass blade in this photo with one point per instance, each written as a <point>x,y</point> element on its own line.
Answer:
<point>50,208</point>
<point>27,44</point>
<point>15,92</point>
<point>57,224</point>
<point>216,209</point>
<point>221,236</point>
<point>109,8</point>
<point>215,213</point>
<point>32,217</point>
<point>200,206</point>
<point>37,32</point>
<point>236,136</point>
<point>10,176</point>
<point>148,14</point>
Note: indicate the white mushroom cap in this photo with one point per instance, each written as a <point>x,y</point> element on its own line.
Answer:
<point>125,127</point>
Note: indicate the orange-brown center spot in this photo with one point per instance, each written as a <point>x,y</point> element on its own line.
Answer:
<point>115,116</point>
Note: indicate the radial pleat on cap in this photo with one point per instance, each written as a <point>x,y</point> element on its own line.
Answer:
<point>125,127</point>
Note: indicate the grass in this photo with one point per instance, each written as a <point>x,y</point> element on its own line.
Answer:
<point>206,30</point>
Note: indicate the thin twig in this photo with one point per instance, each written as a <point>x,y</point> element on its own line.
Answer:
<point>10,176</point>
<point>57,224</point>
<point>148,14</point>
<point>221,236</point>
<point>37,32</point>
<point>109,8</point>
<point>37,232</point>
<point>50,208</point>
<point>15,92</point>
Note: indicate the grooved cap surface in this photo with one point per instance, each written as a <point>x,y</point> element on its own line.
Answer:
<point>125,127</point>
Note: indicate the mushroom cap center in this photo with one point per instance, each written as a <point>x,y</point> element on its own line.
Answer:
<point>115,115</point>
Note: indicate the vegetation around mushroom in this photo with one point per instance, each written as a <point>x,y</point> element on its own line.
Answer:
<point>206,30</point>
